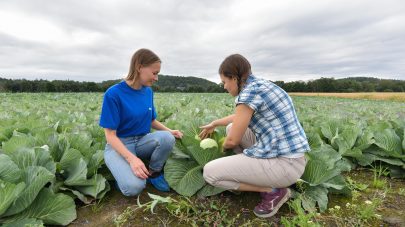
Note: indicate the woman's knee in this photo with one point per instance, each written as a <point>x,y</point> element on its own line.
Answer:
<point>165,138</point>
<point>209,173</point>
<point>131,188</point>
<point>110,156</point>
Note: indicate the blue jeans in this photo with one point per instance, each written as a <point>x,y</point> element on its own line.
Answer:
<point>154,147</point>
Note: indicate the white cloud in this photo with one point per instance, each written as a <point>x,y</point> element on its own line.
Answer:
<point>284,40</point>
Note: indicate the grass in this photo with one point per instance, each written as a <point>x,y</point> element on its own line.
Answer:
<point>390,96</point>
<point>379,171</point>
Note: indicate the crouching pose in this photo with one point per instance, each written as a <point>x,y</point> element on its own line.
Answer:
<point>265,134</point>
<point>127,115</point>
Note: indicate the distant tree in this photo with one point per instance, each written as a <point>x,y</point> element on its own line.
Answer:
<point>92,87</point>
<point>368,86</point>
<point>194,84</point>
<point>280,83</point>
<point>50,87</point>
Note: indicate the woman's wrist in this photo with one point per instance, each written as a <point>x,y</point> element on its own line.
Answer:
<point>214,123</point>
<point>130,157</point>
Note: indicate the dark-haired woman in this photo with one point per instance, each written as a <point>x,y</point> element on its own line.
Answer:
<point>127,116</point>
<point>265,134</point>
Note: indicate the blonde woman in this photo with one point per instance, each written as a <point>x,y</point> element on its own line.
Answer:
<point>127,116</point>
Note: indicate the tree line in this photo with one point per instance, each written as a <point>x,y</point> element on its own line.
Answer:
<point>195,84</point>
<point>164,84</point>
<point>351,84</point>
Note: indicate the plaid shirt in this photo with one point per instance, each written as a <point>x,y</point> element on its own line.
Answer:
<point>274,121</point>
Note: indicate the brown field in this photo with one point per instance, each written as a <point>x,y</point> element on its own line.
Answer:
<point>392,96</point>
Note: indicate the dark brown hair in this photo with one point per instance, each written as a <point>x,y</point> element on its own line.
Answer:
<point>142,57</point>
<point>235,66</point>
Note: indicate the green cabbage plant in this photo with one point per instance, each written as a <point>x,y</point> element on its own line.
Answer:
<point>322,175</point>
<point>184,169</point>
<point>38,184</point>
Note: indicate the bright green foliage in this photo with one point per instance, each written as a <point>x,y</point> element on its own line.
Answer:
<point>51,143</point>
<point>357,134</point>
<point>31,222</point>
<point>55,209</point>
<point>321,173</point>
<point>185,175</point>
<point>342,134</point>
<point>184,170</point>
<point>48,157</point>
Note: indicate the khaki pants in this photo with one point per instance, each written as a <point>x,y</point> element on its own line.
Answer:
<point>229,172</point>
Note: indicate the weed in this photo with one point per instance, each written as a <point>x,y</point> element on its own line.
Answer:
<point>302,218</point>
<point>123,217</point>
<point>378,172</point>
<point>356,212</point>
<point>99,204</point>
<point>353,185</point>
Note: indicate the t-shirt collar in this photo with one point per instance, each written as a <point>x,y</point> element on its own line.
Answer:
<point>129,88</point>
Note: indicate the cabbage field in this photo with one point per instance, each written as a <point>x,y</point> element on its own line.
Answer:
<point>51,161</point>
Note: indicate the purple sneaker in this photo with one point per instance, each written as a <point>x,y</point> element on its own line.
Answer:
<point>271,202</point>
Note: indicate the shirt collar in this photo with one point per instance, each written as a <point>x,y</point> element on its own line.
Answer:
<point>131,89</point>
<point>250,78</point>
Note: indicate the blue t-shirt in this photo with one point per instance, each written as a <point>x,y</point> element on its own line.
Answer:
<point>128,111</point>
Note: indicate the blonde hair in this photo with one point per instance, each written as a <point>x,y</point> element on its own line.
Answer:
<point>144,58</point>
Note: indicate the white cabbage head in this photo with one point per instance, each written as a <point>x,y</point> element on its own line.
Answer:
<point>208,143</point>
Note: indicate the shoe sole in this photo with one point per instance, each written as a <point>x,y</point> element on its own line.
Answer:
<point>276,208</point>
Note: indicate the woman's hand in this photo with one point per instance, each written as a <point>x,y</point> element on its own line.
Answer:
<point>138,168</point>
<point>207,130</point>
<point>176,133</point>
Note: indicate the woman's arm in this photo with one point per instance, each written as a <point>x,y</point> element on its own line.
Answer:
<point>159,126</point>
<point>241,119</point>
<point>207,130</point>
<point>223,121</point>
<point>137,166</point>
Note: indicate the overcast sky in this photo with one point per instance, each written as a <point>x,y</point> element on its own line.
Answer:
<point>284,40</point>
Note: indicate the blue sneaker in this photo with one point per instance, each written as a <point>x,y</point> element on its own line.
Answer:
<point>159,183</point>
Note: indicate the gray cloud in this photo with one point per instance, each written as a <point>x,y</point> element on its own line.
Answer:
<point>288,40</point>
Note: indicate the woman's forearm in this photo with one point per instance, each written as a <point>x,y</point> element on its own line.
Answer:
<point>224,121</point>
<point>242,117</point>
<point>118,146</point>
<point>159,126</point>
